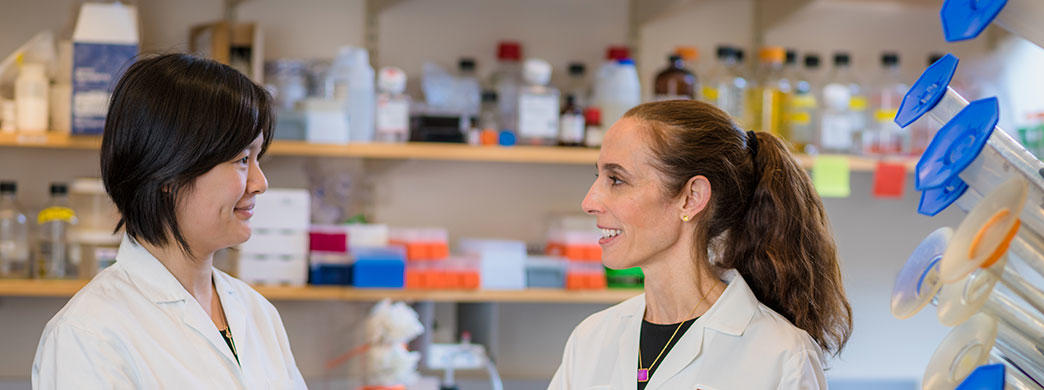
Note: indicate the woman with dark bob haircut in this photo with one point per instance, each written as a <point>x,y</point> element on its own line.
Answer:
<point>742,279</point>
<point>179,158</point>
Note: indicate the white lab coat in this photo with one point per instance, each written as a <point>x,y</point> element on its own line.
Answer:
<point>134,326</point>
<point>738,344</point>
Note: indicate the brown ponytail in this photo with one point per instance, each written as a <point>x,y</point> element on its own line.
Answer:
<point>764,218</point>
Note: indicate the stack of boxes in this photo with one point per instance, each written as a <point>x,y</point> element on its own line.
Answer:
<point>501,263</point>
<point>428,263</point>
<point>336,248</point>
<point>277,251</point>
<point>584,269</point>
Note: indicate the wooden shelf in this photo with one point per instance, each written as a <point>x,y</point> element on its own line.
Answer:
<point>66,288</point>
<point>409,151</point>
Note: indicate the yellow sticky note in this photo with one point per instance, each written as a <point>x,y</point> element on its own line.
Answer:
<point>830,175</point>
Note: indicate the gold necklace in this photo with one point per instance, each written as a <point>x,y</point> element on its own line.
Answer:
<point>643,373</point>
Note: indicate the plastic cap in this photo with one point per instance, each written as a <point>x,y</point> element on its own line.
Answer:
<point>965,19</point>
<point>59,189</point>
<point>8,187</point>
<point>933,58</point>
<point>593,116</point>
<point>957,143</point>
<point>791,56</point>
<point>927,90</point>
<point>688,53</point>
<point>489,96</point>
<point>889,59</point>
<point>739,54</point>
<point>617,53</point>
<point>509,50</point>
<point>674,58</point>
<point>625,61</point>
<point>536,71</point>
<point>506,138</point>
<point>391,80</point>
<point>842,58</point>
<point>988,377</point>
<point>466,64</point>
<point>577,69</point>
<point>725,51</point>
<point>935,200</point>
<point>811,61</point>
<point>772,54</point>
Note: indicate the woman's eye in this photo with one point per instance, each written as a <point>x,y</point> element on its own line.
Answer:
<point>615,180</point>
<point>244,160</point>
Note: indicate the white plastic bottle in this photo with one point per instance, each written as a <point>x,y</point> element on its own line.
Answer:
<point>622,92</point>
<point>843,117</point>
<point>537,105</point>
<point>602,88</point>
<point>393,106</point>
<point>31,99</point>
<point>353,82</point>
<point>14,235</point>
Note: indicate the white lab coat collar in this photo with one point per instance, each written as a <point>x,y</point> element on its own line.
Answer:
<point>730,315</point>
<point>156,282</point>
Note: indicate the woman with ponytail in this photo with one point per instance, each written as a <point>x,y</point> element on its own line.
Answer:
<point>742,282</point>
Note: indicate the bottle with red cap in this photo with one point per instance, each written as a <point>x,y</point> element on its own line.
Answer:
<point>506,81</point>
<point>601,90</point>
<point>594,132</point>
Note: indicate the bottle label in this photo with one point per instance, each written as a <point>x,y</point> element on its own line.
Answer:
<point>802,118</point>
<point>710,94</point>
<point>803,101</point>
<point>883,115</point>
<point>393,116</point>
<point>572,126</point>
<point>857,103</point>
<point>837,132</point>
<point>537,116</point>
<point>55,214</point>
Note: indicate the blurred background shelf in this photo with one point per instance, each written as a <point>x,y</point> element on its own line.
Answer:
<point>413,150</point>
<point>66,288</point>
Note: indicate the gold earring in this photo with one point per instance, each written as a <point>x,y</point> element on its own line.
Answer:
<point>685,218</point>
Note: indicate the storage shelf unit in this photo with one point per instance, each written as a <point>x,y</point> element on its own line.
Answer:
<point>419,151</point>
<point>66,288</point>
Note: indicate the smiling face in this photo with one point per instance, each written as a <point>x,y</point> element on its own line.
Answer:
<point>639,222</point>
<point>215,211</point>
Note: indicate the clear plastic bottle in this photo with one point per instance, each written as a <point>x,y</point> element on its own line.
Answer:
<point>675,81</point>
<point>577,86</point>
<point>53,255</point>
<point>727,85</point>
<point>14,235</point>
<point>353,82</point>
<point>506,80</point>
<point>884,137</point>
<point>393,106</point>
<point>843,117</point>
<point>538,112</point>
<point>469,89</point>
<point>488,129</point>
<point>765,99</point>
<point>803,107</point>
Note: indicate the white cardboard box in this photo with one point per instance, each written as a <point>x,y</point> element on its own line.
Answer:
<point>273,270</point>
<point>502,264</point>
<point>276,242</point>
<point>282,209</point>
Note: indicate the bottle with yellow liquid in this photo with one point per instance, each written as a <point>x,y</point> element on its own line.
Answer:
<point>54,259</point>
<point>725,85</point>
<point>802,108</point>
<point>765,99</point>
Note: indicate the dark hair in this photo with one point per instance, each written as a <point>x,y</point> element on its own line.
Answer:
<point>171,119</point>
<point>764,217</point>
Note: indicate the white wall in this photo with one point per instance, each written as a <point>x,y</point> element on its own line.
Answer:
<point>513,200</point>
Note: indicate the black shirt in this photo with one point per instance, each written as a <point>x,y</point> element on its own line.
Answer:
<point>652,340</point>
<point>227,335</point>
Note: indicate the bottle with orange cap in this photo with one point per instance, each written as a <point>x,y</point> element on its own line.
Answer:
<point>765,100</point>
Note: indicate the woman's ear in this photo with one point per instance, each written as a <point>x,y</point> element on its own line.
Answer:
<point>694,197</point>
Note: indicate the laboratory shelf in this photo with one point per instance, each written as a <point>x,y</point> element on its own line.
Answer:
<point>66,288</point>
<point>414,150</point>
